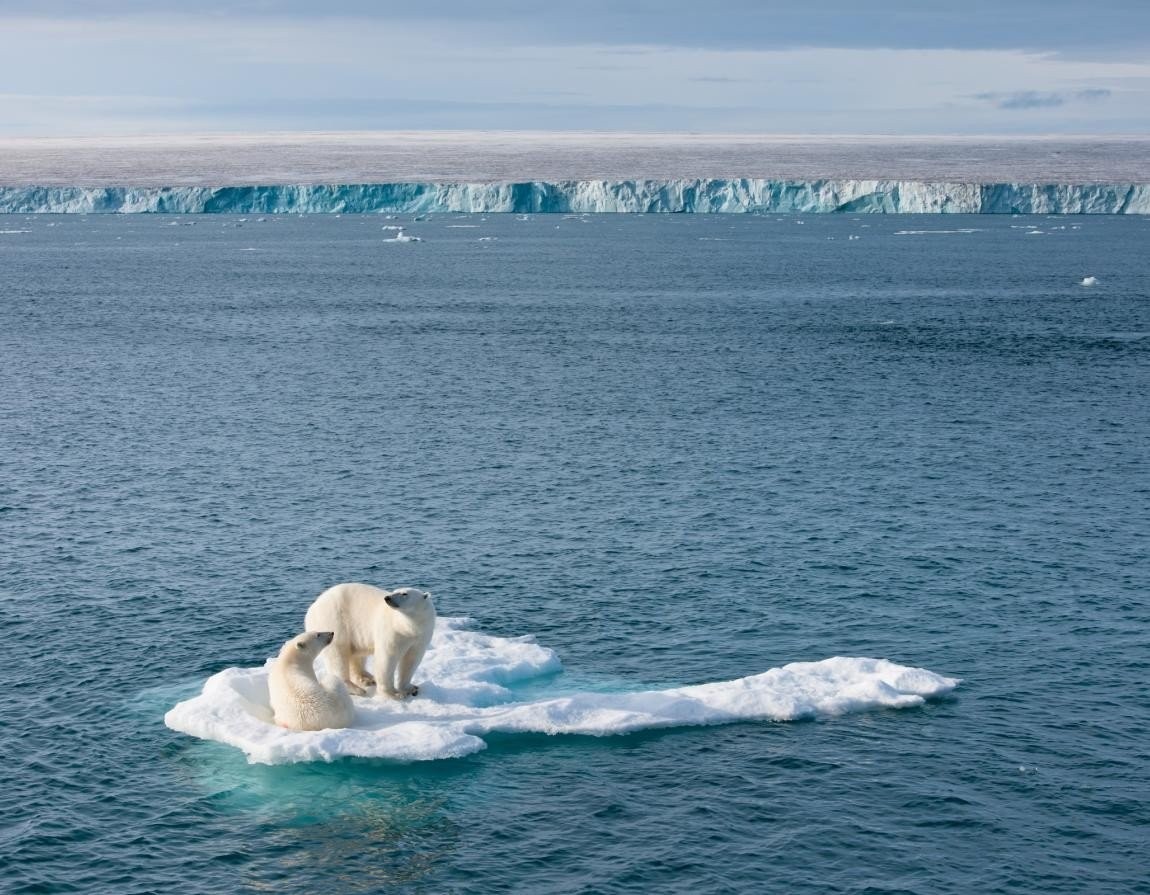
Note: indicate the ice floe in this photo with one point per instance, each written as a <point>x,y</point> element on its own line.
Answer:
<point>467,691</point>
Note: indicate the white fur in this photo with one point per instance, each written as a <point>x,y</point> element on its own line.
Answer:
<point>365,624</point>
<point>298,699</point>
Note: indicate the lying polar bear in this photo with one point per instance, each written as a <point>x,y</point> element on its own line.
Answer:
<point>394,626</point>
<point>298,700</point>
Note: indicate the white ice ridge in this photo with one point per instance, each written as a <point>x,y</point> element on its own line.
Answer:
<point>583,196</point>
<point>464,695</point>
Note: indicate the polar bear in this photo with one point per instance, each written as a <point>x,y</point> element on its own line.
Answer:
<point>395,626</point>
<point>298,700</point>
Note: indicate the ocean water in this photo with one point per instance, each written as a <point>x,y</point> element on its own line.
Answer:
<point>675,449</point>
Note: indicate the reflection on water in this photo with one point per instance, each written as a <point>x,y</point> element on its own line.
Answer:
<point>360,826</point>
<point>398,837</point>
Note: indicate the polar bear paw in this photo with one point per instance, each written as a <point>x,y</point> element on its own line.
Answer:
<point>400,694</point>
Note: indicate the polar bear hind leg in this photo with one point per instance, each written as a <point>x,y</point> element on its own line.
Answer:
<point>349,667</point>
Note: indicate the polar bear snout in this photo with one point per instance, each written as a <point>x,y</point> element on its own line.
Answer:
<point>390,601</point>
<point>325,637</point>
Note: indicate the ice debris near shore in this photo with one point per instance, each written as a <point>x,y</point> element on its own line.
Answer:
<point>583,196</point>
<point>465,682</point>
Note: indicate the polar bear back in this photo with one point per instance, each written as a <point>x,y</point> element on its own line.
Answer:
<point>351,611</point>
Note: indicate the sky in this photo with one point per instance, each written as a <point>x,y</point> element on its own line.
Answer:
<point>909,67</point>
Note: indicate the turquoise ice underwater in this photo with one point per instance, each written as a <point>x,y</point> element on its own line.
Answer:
<point>921,445</point>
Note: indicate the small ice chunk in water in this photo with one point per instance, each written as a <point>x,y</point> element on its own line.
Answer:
<point>400,236</point>
<point>1089,281</point>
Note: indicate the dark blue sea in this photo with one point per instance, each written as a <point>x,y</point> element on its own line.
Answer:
<point>675,449</point>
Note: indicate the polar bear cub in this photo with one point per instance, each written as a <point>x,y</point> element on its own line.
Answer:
<point>298,699</point>
<point>394,626</point>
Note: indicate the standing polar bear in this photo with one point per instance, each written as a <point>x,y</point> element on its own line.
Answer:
<point>298,700</point>
<point>395,626</point>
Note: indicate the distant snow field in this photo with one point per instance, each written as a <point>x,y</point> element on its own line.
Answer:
<point>482,157</point>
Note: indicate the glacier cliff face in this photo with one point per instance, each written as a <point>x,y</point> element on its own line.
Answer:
<point>690,195</point>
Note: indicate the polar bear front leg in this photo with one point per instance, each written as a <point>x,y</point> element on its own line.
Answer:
<point>407,666</point>
<point>385,664</point>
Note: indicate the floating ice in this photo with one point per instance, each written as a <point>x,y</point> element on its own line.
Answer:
<point>403,237</point>
<point>464,695</point>
<point>1089,281</point>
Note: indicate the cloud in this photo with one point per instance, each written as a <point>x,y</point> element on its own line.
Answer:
<point>1038,99</point>
<point>716,79</point>
<point>1098,30</point>
<point>324,74</point>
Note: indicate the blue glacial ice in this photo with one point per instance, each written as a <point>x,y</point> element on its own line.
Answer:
<point>584,196</point>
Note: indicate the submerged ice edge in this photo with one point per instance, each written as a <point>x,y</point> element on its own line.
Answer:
<point>461,702</point>
<point>733,195</point>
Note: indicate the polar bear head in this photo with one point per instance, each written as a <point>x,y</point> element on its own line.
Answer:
<point>307,645</point>
<point>409,600</point>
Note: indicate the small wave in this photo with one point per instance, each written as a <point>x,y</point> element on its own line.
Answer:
<point>925,232</point>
